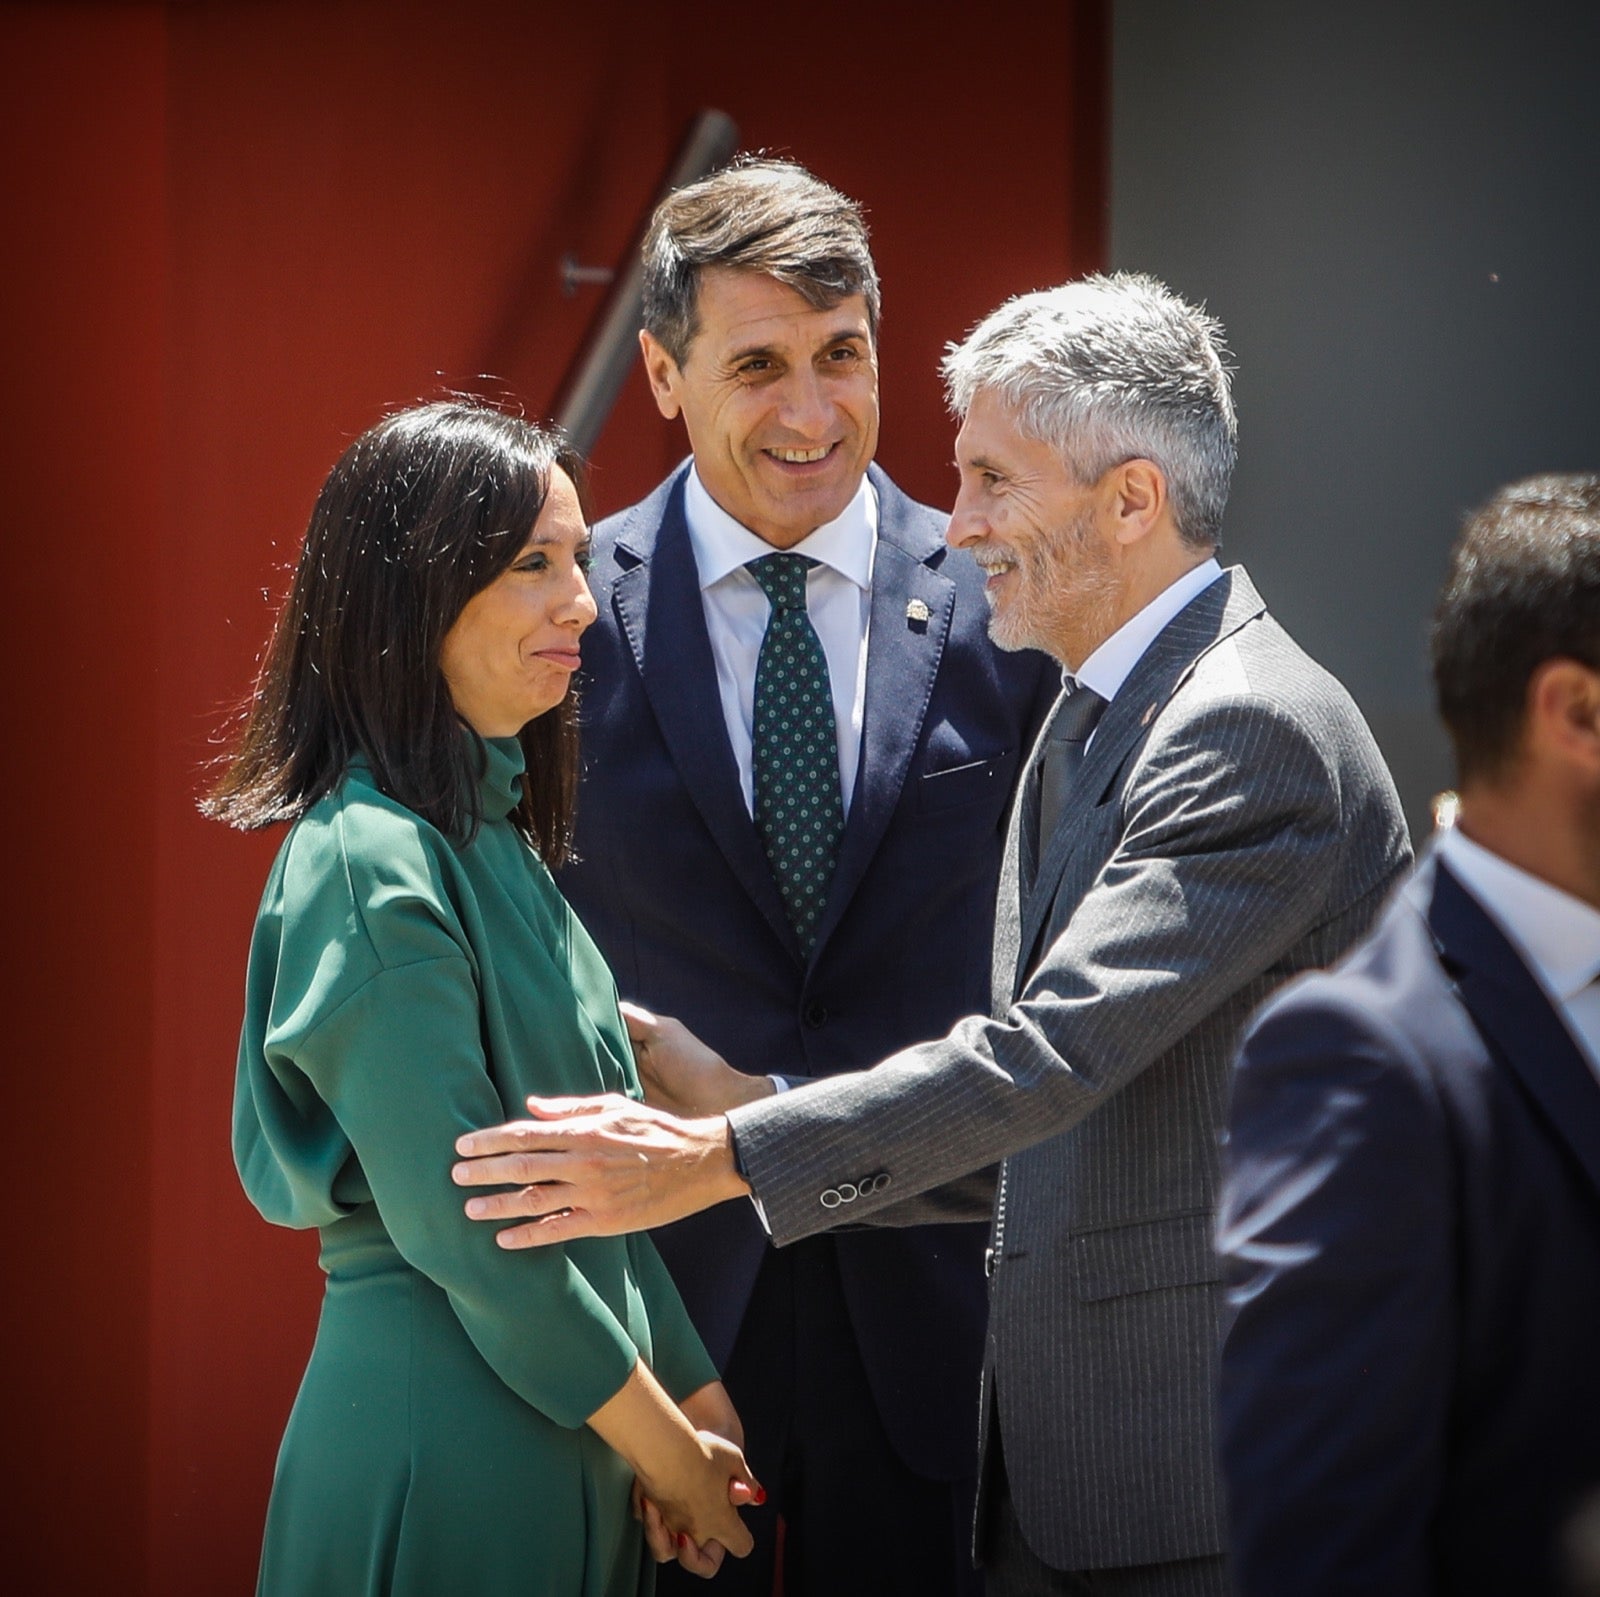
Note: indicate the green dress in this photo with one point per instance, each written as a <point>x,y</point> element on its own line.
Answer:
<point>402,989</point>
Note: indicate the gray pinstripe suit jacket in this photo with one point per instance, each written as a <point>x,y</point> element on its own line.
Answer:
<point>1232,824</point>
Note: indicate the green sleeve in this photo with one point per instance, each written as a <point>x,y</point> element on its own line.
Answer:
<point>678,1358</point>
<point>401,1066</point>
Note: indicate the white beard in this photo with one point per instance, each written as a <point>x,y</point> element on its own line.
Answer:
<point>1063,592</point>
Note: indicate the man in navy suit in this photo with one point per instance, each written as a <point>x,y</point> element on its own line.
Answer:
<point>853,1360</point>
<point>1410,1223</point>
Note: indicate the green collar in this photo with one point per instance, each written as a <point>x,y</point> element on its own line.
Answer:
<point>500,785</point>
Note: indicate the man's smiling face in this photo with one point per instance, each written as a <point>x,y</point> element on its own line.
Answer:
<point>780,400</point>
<point>1038,535</point>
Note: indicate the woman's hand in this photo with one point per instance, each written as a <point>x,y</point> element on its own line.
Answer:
<point>709,1410</point>
<point>680,1073</point>
<point>689,1483</point>
<point>693,1516</point>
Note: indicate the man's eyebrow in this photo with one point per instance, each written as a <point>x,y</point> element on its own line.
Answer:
<point>980,463</point>
<point>856,332</point>
<point>735,355</point>
<point>859,334</point>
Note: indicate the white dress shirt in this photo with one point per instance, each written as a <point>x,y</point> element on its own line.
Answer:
<point>1557,935</point>
<point>1112,663</point>
<point>838,599</point>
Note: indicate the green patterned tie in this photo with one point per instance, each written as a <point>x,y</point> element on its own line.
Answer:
<point>798,807</point>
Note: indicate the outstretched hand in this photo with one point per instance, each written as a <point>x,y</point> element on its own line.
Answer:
<point>593,1167</point>
<point>680,1073</point>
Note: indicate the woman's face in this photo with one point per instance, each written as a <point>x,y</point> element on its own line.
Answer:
<point>511,653</point>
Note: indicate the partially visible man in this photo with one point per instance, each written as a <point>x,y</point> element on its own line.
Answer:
<point>799,749</point>
<point>1207,816</point>
<point>1411,1215</point>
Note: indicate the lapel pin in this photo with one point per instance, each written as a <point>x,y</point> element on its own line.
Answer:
<point>1150,710</point>
<point>917,614</point>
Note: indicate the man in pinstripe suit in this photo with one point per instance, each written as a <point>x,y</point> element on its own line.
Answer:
<point>1206,816</point>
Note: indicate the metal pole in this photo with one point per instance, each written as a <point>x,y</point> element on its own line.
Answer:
<point>604,366</point>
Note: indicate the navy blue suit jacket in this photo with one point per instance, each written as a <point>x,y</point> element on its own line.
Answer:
<point>1411,1239</point>
<point>675,887</point>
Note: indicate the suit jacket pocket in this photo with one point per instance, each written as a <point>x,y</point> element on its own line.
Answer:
<point>966,784</point>
<point>1124,1259</point>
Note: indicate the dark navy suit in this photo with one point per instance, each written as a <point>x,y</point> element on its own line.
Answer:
<point>675,887</point>
<point>1411,1239</point>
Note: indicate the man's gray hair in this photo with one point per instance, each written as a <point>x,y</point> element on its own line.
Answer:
<point>757,215</point>
<point>1112,368</point>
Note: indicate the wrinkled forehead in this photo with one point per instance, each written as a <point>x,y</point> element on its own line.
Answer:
<point>992,422</point>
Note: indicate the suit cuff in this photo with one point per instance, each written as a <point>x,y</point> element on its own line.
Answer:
<point>779,1085</point>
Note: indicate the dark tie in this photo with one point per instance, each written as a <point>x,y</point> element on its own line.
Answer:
<point>1063,754</point>
<point>799,811</point>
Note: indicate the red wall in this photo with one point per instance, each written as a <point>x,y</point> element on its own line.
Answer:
<point>240,232</point>
<point>82,274</point>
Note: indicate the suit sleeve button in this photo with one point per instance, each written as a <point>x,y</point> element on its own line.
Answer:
<point>816,1014</point>
<point>831,1199</point>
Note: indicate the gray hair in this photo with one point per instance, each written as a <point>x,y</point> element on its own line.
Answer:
<point>757,215</point>
<point>1112,368</point>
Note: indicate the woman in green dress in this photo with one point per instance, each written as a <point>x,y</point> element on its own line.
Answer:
<point>471,1419</point>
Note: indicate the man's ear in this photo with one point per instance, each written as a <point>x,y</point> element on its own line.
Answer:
<point>1136,498</point>
<point>1564,712</point>
<point>662,370</point>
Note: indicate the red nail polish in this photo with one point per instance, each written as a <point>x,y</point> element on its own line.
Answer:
<point>683,1538</point>
<point>760,1497</point>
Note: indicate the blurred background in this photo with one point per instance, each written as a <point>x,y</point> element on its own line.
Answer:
<point>238,233</point>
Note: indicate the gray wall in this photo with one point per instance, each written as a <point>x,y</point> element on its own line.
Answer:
<point>1395,211</point>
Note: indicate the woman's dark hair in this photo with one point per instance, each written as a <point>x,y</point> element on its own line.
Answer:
<point>420,513</point>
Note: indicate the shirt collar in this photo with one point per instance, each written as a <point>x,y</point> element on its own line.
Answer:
<point>1557,933</point>
<point>722,545</point>
<point>1112,663</point>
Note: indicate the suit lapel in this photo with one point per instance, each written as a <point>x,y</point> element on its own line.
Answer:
<point>656,597</point>
<point>1516,1017</point>
<point>1212,615</point>
<point>911,610</point>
